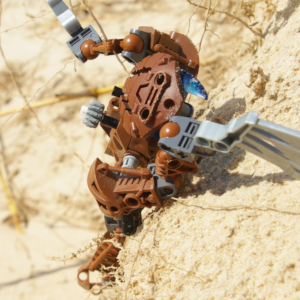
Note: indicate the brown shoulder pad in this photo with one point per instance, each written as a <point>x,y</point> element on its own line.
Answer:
<point>188,51</point>
<point>154,35</point>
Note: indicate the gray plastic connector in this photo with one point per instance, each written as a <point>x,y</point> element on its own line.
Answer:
<point>135,58</point>
<point>130,161</point>
<point>93,114</point>
<point>69,21</point>
<point>164,188</point>
<point>89,33</point>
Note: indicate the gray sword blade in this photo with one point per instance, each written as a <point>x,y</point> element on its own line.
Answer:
<point>65,16</point>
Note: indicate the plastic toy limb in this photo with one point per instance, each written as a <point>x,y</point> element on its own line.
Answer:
<point>143,42</point>
<point>73,27</point>
<point>272,142</point>
<point>128,224</point>
<point>119,191</point>
<point>168,166</point>
<point>65,16</point>
<point>94,115</point>
<point>105,255</point>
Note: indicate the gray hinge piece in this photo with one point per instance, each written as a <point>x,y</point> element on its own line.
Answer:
<point>79,35</point>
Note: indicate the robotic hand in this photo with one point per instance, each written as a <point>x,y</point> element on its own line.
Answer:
<point>93,114</point>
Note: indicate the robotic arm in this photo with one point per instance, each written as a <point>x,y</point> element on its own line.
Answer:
<point>79,35</point>
<point>87,45</point>
<point>274,143</point>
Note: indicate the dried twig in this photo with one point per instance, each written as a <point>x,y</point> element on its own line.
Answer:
<point>122,64</point>
<point>34,18</point>
<point>92,14</point>
<point>9,196</point>
<point>138,250</point>
<point>238,207</point>
<point>25,23</point>
<point>102,31</point>
<point>230,15</point>
<point>192,16</point>
<point>40,124</point>
<point>209,13</point>
<point>37,91</point>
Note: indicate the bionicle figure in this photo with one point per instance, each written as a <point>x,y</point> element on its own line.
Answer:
<point>153,138</point>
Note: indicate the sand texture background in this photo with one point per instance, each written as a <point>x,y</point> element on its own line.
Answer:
<point>233,232</point>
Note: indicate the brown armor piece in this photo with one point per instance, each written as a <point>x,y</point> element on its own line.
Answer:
<point>151,96</point>
<point>105,255</point>
<point>176,44</point>
<point>118,195</point>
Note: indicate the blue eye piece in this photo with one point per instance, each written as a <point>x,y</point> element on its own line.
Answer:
<point>192,85</point>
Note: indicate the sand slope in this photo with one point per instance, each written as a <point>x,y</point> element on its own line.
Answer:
<point>234,231</point>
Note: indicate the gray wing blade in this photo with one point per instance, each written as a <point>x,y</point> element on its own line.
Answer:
<point>65,16</point>
<point>276,144</point>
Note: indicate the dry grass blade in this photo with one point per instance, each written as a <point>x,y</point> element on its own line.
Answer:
<point>11,202</point>
<point>137,252</point>
<point>25,23</point>
<point>61,98</point>
<point>7,187</point>
<point>44,102</point>
<point>190,19</point>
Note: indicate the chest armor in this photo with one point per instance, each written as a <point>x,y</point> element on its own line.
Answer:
<point>151,97</point>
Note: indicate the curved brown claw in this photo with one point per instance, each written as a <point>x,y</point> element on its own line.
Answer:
<point>106,255</point>
<point>86,284</point>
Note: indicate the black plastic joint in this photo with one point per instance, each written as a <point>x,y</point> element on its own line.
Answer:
<point>110,122</point>
<point>128,224</point>
<point>117,92</point>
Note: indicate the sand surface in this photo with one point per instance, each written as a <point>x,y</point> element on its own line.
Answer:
<point>232,233</point>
